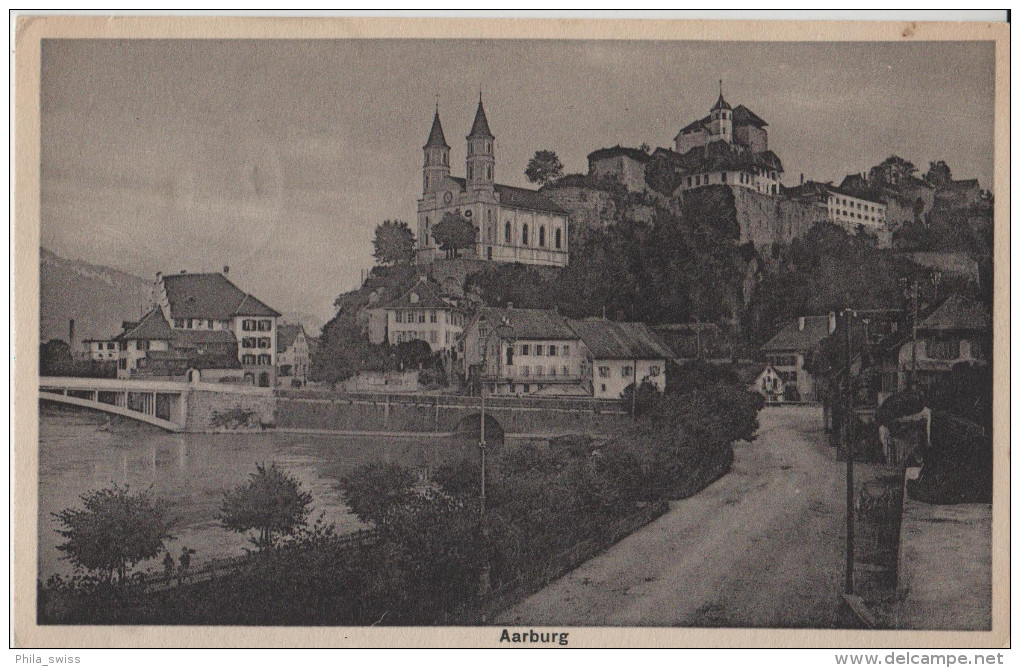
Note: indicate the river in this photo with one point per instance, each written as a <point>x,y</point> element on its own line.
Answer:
<point>81,450</point>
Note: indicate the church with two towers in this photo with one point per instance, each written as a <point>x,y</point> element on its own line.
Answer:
<point>512,224</point>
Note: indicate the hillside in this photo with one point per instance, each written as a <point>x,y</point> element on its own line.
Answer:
<point>98,298</point>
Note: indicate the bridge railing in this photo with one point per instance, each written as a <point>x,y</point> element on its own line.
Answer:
<point>494,401</point>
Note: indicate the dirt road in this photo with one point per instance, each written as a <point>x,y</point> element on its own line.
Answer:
<point>762,547</point>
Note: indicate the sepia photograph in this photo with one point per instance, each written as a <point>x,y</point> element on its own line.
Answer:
<point>529,334</point>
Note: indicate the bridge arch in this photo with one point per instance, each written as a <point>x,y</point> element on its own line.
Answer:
<point>470,426</point>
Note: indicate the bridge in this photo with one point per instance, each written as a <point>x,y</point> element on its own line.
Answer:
<point>174,406</point>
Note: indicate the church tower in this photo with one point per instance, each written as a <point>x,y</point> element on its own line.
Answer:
<point>437,157</point>
<point>721,124</point>
<point>481,161</point>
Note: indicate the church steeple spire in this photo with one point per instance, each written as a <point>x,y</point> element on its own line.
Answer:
<point>481,160</point>
<point>480,128</point>
<point>437,155</point>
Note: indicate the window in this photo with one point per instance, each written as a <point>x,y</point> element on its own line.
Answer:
<point>559,238</point>
<point>265,342</point>
<point>539,370</point>
<point>507,234</point>
<point>399,316</point>
<point>248,342</point>
<point>724,177</point>
<point>248,325</point>
<point>208,324</point>
<point>433,316</point>
<point>566,370</point>
<point>697,180</point>
<point>603,373</point>
<point>603,387</point>
<point>944,348</point>
<point>538,350</point>
<point>526,371</point>
<point>690,181</point>
<point>111,346</point>
<point>552,351</point>
<point>421,317</point>
<point>509,355</point>
<point>265,325</point>
<point>541,236</point>
<point>123,345</point>
<point>142,344</point>
<point>488,172</point>
<point>525,348</point>
<point>566,351</point>
<point>265,360</point>
<point>122,363</point>
<point>552,370</point>
<point>433,336</point>
<point>626,371</point>
<point>247,359</point>
<point>653,371</point>
<point>189,323</point>
<point>524,234</point>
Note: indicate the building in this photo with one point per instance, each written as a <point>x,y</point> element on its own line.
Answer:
<point>620,354</point>
<point>762,378</point>
<point>789,349</point>
<point>512,224</point>
<point>421,314</point>
<point>292,355</point>
<point>523,351</point>
<point>201,321</point>
<point>853,212</point>
<point>626,165</point>
<point>101,350</point>
<point>739,127</point>
<point>958,331</point>
<point>907,200</point>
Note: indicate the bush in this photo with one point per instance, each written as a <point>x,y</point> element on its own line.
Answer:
<point>374,490</point>
<point>272,503</point>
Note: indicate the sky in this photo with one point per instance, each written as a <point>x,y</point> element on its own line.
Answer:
<point>278,158</point>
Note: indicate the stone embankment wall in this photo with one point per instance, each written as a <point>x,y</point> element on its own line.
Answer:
<point>445,414</point>
<point>233,409</point>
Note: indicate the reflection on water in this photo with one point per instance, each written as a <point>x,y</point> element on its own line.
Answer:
<point>81,451</point>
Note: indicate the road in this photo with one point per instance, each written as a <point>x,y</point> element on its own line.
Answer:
<point>762,547</point>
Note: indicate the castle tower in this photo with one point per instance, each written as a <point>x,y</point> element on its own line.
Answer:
<point>437,157</point>
<point>481,161</point>
<point>721,124</point>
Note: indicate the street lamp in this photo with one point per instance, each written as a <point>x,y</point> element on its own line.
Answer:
<point>506,333</point>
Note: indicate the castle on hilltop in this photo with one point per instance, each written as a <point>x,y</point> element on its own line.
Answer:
<point>512,224</point>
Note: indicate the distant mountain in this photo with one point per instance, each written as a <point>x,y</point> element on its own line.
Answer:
<point>98,298</point>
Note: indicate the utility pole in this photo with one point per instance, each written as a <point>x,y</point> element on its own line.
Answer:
<point>633,395</point>
<point>848,452</point>
<point>913,348</point>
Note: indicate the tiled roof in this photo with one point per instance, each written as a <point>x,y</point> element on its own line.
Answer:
<point>436,136</point>
<point>748,372</point>
<point>965,184</point>
<point>198,337</point>
<point>701,123</point>
<point>957,313</point>
<point>480,128</point>
<point>210,296</point>
<point>519,198</point>
<point>792,338</point>
<point>286,335</point>
<point>153,326</point>
<point>422,295</point>
<point>632,153</point>
<point>721,103</point>
<point>530,324</point>
<point>744,116</point>
<point>721,156</point>
<point>620,340</point>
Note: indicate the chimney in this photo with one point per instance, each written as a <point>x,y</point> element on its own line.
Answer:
<point>802,178</point>
<point>800,324</point>
<point>509,304</point>
<point>832,322</point>
<point>70,333</point>
<point>226,269</point>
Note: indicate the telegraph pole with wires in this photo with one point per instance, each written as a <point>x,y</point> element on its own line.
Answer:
<point>848,449</point>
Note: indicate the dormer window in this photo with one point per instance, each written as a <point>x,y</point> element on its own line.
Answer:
<point>413,297</point>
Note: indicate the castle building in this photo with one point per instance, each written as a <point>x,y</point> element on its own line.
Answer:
<point>511,224</point>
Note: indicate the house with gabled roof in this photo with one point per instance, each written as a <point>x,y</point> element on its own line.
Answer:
<point>789,349</point>
<point>523,351</point>
<point>201,321</point>
<point>422,313</point>
<point>957,331</point>
<point>292,354</point>
<point>619,354</point>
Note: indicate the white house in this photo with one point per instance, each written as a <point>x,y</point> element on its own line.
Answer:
<point>421,314</point>
<point>618,354</point>
<point>292,354</point>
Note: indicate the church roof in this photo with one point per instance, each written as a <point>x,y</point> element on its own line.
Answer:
<point>480,128</point>
<point>519,198</point>
<point>436,137</point>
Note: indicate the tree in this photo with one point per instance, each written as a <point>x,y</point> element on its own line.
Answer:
<point>344,350</point>
<point>414,354</point>
<point>453,233</point>
<point>544,166</point>
<point>939,174</point>
<point>394,243</point>
<point>272,502</point>
<point>114,530</point>
<point>374,490</point>
<point>891,170</point>
<point>54,358</point>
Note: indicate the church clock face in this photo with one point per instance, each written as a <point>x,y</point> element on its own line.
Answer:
<point>448,197</point>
